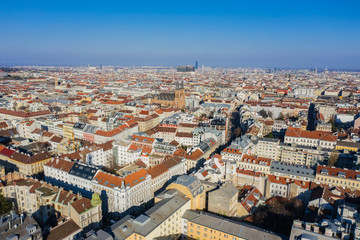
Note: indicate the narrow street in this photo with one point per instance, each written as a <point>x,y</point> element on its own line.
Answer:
<point>233,124</point>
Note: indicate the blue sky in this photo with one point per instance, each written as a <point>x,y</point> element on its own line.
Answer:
<point>289,33</point>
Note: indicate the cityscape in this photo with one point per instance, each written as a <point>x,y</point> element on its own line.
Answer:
<point>104,137</point>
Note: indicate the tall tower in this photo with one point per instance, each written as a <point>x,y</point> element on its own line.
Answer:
<point>196,65</point>
<point>56,82</point>
<point>180,96</point>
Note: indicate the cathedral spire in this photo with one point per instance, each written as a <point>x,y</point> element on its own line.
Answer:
<point>177,84</point>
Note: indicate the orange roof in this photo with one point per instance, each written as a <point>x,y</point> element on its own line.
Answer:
<point>112,181</point>
<point>256,160</point>
<point>298,132</point>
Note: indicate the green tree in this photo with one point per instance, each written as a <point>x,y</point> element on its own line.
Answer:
<point>237,132</point>
<point>263,113</point>
<point>5,205</point>
<point>281,117</point>
<point>334,155</point>
<point>270,135</point>
<point>333,127</point>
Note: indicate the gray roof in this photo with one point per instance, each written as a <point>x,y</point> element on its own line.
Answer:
<point>300,233</point>
<point>238,229</point>
<point>192,183</point>
<point>99,235</point>
<point>274,140</point>
<point>83,171</point>
<point>166,96</point>
<point>29,227</point>
<point>227,191</point>
<point>298,170</point>
<point>146,223</point>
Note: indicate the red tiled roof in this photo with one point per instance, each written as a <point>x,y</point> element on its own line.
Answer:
<point>297,132</point>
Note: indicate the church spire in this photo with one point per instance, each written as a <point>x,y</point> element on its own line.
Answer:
<point>177,84</point>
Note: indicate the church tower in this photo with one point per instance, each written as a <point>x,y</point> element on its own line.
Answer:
<point>180,96</point>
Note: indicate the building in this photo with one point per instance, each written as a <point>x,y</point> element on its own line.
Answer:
<point>202,225</point>
<point>302,155</point>
<point>24,226</point>
<point>248,200</point>
<point>338,177</point>
<point>310,138</point>
<point>174,99</point>
<point>327,111</point>
<point>163,219</point>
<point>192,188</point>
<point>267,148</point>
<point>302,230</point>
<point>224,200</point>
<point>258,164</point>
<point>121,195</point>
<point>292,171</point>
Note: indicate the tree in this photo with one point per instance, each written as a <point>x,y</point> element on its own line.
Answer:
<point>281,117</point>
<point>5,205</point>
<point>334,155</point>
<point>270,135</point>
<point>237,132</point>
<point>263,113</point>
<point>334,128</point>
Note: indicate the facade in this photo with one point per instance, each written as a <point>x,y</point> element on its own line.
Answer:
<point>267,148</point>
<point>176,99</point>
<point>302,155</point>
<point>310,138</point>
<point>258,164</point>
<point>192,188</point>
<point>327,111</point>
<point>224,200</point>
<point>338,177</point>
<point>122,195</point>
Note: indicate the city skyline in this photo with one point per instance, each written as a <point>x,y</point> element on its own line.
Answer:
<point>279,34</point>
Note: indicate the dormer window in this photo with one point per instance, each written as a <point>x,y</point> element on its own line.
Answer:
<point>325,172</point>
<point>341,174</point>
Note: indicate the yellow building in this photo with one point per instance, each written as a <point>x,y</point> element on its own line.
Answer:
<point>86,213</point>
<point>338,177</point>
<point>351,146</point>
<point>192,188</point>
<point>26,164</point>
<point>68,129</point>
<point>203,225</point>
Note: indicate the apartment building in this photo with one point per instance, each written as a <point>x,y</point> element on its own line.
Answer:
<point>223,200</point>
<point>255,163</point>
<point>302,155</point>
<point>163,219</point>
<point>192,188</point>
<point>338,177</point>
<point>267,148</point>
<point>300,172</point>
<point>123,193</point>
<point>310,138</point>
<point>203,225</point>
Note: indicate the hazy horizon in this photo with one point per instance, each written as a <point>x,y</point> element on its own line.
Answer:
<point>281,34</point>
